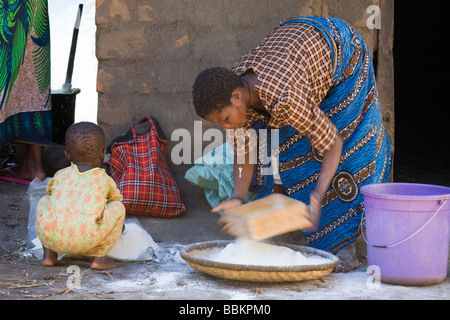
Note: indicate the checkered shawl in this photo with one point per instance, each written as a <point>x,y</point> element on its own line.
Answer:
<point>295,72</point>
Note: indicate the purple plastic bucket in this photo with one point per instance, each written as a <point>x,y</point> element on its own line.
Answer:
<point>407,232</point>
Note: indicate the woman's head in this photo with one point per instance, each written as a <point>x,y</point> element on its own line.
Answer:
<point>218,96</point>
<point>85,144</point>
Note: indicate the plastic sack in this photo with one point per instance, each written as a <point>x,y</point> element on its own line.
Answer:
<point>135,244</point>
<point>36,190</point>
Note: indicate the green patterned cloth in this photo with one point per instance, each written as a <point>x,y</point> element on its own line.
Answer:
<point>25,97</point>
<point>214,174</point>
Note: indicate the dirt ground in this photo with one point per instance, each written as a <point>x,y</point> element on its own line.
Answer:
<point>167,276</point>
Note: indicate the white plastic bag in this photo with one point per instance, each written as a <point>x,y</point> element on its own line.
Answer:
<point>36,190</point>
<point>135,244</point>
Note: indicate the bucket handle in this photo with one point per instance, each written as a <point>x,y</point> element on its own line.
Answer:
<point>398,243</point>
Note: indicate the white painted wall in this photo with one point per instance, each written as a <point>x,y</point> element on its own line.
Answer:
<point>62,21</point>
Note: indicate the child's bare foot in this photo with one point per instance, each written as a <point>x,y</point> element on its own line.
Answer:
<point>103,263</point>
<point>49,258</point>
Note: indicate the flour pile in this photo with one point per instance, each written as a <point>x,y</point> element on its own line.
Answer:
<point>135,244</point>
<point>246,252</point>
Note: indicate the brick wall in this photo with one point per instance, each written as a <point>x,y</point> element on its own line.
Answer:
<point>150,51</point>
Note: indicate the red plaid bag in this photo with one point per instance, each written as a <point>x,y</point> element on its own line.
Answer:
<point>138,165</point>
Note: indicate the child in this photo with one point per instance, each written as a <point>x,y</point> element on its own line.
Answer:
<point>82,212</point>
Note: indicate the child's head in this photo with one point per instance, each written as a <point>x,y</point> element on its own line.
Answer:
<point>85,144</point>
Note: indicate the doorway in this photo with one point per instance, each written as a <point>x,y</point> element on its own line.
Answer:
<point>422,114</point>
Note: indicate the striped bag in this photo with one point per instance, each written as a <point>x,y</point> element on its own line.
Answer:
<point>138,165</point>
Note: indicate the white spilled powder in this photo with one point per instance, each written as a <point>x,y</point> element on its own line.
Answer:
<point>135,244</point>
<point>246,252</point>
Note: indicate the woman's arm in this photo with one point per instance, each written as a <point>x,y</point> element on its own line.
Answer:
<point>330,163</point>
<point>242,175</point>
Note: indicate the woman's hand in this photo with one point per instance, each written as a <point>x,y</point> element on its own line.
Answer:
<point>224,206</point>
<point>227,205</point>
<point>242,176</point>
<point>330,164</point>
<point>315,210</point>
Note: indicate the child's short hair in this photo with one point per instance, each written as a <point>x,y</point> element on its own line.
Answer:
<point>84,141</point>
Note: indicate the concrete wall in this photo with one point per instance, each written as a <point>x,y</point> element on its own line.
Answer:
<point>150,52</point>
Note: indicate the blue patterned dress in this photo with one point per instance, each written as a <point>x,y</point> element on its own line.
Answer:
<point>352,104</point>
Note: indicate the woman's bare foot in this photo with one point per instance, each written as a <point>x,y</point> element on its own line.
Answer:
<point>32,164</point>
<point>347,259</point>
<point>22,174</point>
<point>103,263</point>
<point>29,173</point>
<point>50,258</point>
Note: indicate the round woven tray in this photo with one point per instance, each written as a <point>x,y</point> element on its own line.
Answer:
<point>196,255</point>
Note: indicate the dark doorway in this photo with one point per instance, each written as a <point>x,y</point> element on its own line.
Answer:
<point>421,82</point>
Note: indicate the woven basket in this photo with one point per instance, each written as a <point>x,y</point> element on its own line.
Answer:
<point>195,254</point>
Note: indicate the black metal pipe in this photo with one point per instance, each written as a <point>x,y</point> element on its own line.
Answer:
<point>68,83</point>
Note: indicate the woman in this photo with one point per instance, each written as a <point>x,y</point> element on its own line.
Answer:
<point>313,80</point>
<point>25,108</point>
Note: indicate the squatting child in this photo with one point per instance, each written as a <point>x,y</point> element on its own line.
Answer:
<point>82,212</point>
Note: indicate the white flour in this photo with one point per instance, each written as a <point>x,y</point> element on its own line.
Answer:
<point>245,252</point>
<point>135,244</point>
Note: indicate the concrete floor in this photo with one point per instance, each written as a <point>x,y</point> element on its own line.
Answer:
<point>167,276</point>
